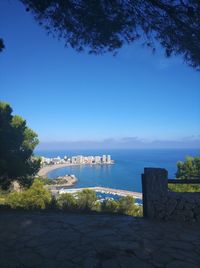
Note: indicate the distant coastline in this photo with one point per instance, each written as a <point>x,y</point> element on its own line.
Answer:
<point>50,164</point>
<point>44,171</point>
<point>125,173</point>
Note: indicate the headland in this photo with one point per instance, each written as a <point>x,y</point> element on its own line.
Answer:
<point>61,181</point>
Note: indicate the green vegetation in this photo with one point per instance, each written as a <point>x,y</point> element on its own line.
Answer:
<point>189,169</point>
<point>106,26</point>
<point>67,202</point>
<point>17,143</point>
<point>184,187</point>
<point>110,206</point>
<point>86,199</point>
<point>57,181</point>
<point>45,180</point>
<point>37,197</point>
<point>127,206</point>
<point>3,195</point>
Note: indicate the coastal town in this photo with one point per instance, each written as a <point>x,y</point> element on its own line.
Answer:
<point>50,164</point>
<point>77,160</point>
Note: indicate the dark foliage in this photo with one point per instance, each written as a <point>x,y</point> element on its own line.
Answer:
<point>2,46</point>
<point>189,169</point>
<point>17,143</point>
<point>101,25</point>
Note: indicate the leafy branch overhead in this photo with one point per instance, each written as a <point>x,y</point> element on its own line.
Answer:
<point>1,44</point>
<point>101,26</point>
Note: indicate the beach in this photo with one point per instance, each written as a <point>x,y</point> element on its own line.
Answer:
<point>45,170</point>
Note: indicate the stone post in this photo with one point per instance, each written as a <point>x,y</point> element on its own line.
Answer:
<point>154,189</point>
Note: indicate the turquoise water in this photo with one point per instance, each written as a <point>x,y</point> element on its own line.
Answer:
<point>126,172</point>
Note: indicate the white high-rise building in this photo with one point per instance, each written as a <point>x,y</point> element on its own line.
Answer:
<point>108,159</point>
<point>104,158</point>
<point>56,160</point>
<point>79,159</point>
<point>90,159</point>
<point>73,159</point>
<point>97,159</point>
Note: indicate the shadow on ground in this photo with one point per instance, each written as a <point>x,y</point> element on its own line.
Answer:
<point>41,239</point>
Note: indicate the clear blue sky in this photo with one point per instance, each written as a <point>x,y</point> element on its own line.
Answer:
<point>66,96</point>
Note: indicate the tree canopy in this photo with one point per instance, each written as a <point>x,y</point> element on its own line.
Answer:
<point>17,143</point>
<point>101,26</point>
<point>188,169</point>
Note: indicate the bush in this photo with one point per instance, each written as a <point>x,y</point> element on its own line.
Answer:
<point>188,169</point>
<point>45,180</point>
<point>110,206</point>
<point>36,197</point>
<point>14,200</point>
<point>66,201</point>
<point>86,199</point>
<point>97,206</point>
<point>127,206</point>
<point>3,195</point>
<point>53,204</point>
<point>184,188</point>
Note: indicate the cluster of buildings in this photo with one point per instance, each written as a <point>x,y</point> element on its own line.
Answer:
<point>77,160</point>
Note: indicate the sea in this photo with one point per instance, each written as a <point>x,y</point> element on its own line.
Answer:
<point>126,172</point>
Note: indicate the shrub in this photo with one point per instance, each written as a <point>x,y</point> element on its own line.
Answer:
<point>184,187</point>
<point>3,195</point>
<point>188,169</point>
<point>53,204</point>
<point>138,211</point>
<point>97,206</point>
<point>36,197</point>
<point>67,201</point>
<point>45,180</point>
<point>86,199</point>
<point>110,206</point>
<point>14,200</point>
<point>127,206</point>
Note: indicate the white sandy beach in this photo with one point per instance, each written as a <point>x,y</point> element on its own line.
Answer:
<point>45,170</point>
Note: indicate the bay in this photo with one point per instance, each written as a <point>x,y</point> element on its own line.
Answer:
<point>126,172</point>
